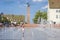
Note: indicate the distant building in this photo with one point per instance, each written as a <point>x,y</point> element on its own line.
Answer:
<point>54,11</point>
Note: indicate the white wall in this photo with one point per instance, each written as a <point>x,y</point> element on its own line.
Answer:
<point>52,15</point>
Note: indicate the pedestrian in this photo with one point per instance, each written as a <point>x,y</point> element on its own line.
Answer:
<point>22,24</point>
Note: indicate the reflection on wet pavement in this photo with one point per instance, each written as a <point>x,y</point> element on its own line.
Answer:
<point>39,33</point>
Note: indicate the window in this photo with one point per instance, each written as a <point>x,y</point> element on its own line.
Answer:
<point>56,10</point>
<point>59,11</point>
<point>56,16</point>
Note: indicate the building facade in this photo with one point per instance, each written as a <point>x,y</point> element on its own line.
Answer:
<point>54,11</point>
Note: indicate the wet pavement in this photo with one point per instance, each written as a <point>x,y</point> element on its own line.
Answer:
<point>38,33</point>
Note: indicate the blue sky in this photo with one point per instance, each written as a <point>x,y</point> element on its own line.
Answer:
<point>19,7</point>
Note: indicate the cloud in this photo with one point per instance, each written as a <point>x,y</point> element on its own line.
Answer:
<point>44,7</point>
<point>37,0</point>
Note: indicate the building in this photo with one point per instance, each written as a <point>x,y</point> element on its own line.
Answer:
<point>54,11</point>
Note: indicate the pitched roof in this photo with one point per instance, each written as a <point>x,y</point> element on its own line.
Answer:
<point>54,4</point>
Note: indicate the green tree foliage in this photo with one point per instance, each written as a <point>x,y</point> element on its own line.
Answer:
<point>41,15</point>
<point>17,18</point>
<point>44,16</point>
<point>3,19</point>
<point>1,16</point>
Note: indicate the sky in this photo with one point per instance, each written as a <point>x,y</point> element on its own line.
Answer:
<point>19,7</point>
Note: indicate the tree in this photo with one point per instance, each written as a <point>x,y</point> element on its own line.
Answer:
<point>37,15</point>
<point>41,15</point>
<point>3,19</point>
<point>44,15</point>
<point>1,14</point>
